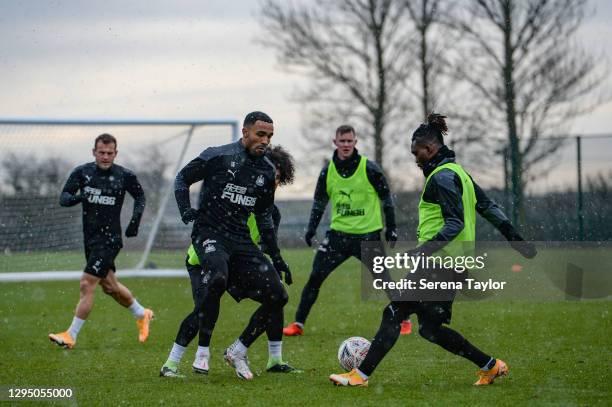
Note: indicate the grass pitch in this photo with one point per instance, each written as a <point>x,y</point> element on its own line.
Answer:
<point>559,352</point>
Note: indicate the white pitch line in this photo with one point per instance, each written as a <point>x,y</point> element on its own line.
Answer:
<point>76,275</point>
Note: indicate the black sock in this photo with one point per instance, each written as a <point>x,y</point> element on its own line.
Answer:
<point>453,342</point>
<point>309,296</point>
<point>385,338</point>
<point>490,365</point>
<point>274,330</point>
<point>188,329</point>
<point>208,319</point>
<point>257,325</point>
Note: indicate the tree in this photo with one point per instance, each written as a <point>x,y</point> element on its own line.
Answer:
<point>528,76</point>
<point>425,15</point>
<point>355,53</point>
<point>29,175</point>
<point>151,166</point>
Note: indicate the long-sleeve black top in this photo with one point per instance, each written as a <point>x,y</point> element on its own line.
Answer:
<point>102,193</point>
<point>235,184</point>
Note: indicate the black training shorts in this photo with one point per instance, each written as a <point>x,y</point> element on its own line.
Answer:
<point>247,271</point>
<point>100,259</point>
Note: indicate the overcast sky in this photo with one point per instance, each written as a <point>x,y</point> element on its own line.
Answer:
<point>170,60</point>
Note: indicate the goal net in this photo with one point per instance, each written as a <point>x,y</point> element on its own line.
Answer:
<point>38,235</point>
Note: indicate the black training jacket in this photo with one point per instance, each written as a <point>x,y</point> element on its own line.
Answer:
<point>102,193</point>
<point>235,184</point>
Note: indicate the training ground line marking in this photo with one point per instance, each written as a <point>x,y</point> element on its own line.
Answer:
<point>76,275</point>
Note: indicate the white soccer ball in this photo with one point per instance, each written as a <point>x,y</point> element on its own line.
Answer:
<point>352,352</point>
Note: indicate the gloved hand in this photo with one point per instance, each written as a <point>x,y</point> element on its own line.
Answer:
<point>132,229</point>
<point>281,266</point>
<point>391,237</point>
<point>526,249</point>
<point>189,216</point>
<point>310,233</point>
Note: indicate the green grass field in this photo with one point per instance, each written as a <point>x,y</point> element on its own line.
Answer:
<point>559,352</point>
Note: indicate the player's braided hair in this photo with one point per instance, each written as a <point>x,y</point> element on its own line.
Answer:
<point>284,162</point>
<point>434,130</point>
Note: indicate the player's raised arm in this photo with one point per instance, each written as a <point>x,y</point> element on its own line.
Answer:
<point>488,209</point>
<point>193,172</point>
<point>69,196</point>
<point>134,188</point>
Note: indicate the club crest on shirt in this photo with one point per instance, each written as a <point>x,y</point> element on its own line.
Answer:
<point>260,181</point>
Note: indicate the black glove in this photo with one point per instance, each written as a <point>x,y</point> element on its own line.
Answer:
<point>310,233</point>
<point>526,249</point>
<point>132,229</point>
<point>189,216</point>
<point>281,266</point>
<point>391,236</point>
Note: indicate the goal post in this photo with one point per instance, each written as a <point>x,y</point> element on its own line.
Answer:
<point>37,155</point>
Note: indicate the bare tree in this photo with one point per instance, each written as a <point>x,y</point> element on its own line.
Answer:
<point>29,175</point>
<point>355,53</point>
<point>151,167</point>
<point>529,77</point>
<point>426,15</point>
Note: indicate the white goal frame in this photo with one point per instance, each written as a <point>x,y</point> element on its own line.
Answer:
<point>192,125</point>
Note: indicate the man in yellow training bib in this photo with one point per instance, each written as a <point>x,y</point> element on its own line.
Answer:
<point>447,221</point>
<point>355,186</point>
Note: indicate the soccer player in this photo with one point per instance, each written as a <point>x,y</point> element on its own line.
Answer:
<point>238,179</point>
<point>100,188</point>
<point>355,185</point>
<point>285,169</point>
<point>447,218</point>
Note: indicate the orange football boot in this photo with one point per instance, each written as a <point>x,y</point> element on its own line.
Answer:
<point>143,325</point>
<point>486,377</point>
<point>63,339</point>
<point>293,329</point>
<point>351,378</point>
<point>406,327</point>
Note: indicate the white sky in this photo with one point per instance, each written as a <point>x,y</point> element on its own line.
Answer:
<point>172,60</point>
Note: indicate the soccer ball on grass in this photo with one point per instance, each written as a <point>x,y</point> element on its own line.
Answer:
<point>352,352</point>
